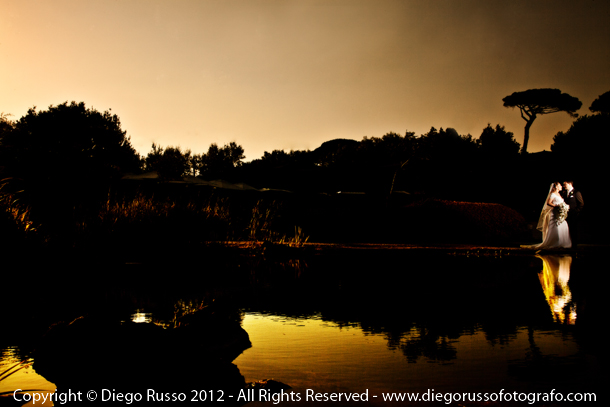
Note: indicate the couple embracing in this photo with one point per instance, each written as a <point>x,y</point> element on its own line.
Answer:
<point>559,217</point>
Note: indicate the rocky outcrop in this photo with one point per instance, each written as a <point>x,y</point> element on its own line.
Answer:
<point>94,353</point>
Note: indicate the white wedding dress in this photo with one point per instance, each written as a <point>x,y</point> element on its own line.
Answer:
<point>553,236</point>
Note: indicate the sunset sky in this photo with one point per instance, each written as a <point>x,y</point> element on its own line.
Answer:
<point>272,74</point>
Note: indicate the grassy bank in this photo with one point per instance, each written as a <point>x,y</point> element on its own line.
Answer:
<point>166,221</point>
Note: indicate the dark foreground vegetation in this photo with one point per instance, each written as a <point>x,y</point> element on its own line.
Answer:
<point>64,187</point>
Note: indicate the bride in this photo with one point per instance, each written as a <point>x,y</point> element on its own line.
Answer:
<point>555,232</point>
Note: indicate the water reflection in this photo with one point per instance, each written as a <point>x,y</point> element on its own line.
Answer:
<point>423,342</point>
<point>140,317</point>
<point>16,372</point>
<point>554,278</point>
<point>310,352</point>
<point>390,320</point>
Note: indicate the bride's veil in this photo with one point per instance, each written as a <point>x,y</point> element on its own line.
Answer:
<point>542,225</point>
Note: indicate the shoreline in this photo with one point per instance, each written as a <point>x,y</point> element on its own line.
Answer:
<point>456,247</point>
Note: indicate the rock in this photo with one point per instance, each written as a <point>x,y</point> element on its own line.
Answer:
<point>92,353</point>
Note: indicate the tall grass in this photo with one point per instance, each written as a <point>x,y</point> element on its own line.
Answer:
<point>261,222</point>
<point>146,220</point>
<point>15,217</point>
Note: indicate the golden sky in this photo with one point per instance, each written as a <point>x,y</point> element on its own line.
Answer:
<point>291,74</point>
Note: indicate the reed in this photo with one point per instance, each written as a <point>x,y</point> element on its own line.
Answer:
<point>260,227</point>
<point>147,220</point>
<point>16,217</point>
<point>299,238</point>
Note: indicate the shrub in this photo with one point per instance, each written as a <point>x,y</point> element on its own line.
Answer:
<point>453,221</point>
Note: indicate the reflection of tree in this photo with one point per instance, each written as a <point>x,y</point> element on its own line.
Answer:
<point>554,278</point>
<point>423,342</point>
<point>499,334</point>
<point>424,313</point>
<point>546,370</point>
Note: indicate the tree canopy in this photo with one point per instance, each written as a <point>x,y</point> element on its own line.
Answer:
<point>218,162</point>
<point>587,140</point>
<point>534,102</point>
<point>6,125</point>
<point>601,104</point>
<point>171,162</point>
<point>67,149</point>
<point>497,142</point>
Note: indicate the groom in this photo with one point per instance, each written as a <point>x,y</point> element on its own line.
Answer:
<point>573,198</point>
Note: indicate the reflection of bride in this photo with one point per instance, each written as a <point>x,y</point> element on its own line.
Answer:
<point>554,278</point>
<point>555,232</point>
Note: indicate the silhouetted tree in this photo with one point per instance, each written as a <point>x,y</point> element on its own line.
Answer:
<point>498,159</point>
<point>195,161</point>
<point>171,163</point>
<point>446,162</point>
<point>67,144</point>
<point>281,170</point>
<point>281,159</point>
<point>601,104</point>
<point>497,142</point>
<point>369,165</point>
<point>335,152</point>
<point>65,158</point>
<point>234,154</point>
<point>446,145</point>
<point>275,158</point>
<point>586,141</point>
<point>391,149</point>
<point>534,102</point>
<point>582,154</point>
<point>218,162</point>
<point>6,125</point>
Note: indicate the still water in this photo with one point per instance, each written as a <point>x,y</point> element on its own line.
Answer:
<point>393,324</point>
<point>312,353</point>
<point>505,327</point>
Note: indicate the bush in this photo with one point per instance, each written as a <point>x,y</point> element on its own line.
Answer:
<point>463,222</point>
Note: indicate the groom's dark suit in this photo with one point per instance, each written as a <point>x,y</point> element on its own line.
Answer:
<point>574,199</point>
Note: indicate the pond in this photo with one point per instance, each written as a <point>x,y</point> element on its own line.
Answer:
<point>372,324</point>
